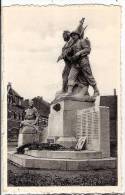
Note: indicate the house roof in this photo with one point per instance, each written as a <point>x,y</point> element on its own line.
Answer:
<point>11,91</point>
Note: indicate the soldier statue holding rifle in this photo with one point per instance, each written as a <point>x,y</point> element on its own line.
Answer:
<point>77,70</point>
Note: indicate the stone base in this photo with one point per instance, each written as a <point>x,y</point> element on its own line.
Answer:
<point>26,138</point>
<point>77,155</point>
<point>77,97</point>
<point>67,141</point>
<point>61,164</point>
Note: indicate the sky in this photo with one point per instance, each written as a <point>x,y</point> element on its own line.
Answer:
<point>32,42</point>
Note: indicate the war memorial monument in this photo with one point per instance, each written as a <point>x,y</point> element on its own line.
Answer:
<point>78,133</point>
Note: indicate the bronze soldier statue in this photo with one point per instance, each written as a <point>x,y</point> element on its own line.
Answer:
<point>67,53</point>
<point>77,66</point>
<point>64,56</point>
<point>80,61</point>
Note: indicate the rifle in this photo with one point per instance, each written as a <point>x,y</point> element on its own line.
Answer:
<point>82,32</point>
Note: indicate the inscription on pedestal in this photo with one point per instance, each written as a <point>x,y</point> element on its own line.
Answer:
<point>88,124</point>
<point>94,124</point>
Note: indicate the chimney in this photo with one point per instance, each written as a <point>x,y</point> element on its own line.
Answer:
<point>9,86</point>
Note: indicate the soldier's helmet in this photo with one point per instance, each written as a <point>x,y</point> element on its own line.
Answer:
<point>66,35</point>
<point>74,33</point>
<point>66,32</point>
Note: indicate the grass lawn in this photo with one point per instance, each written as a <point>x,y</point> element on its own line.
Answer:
<point>29,177</point>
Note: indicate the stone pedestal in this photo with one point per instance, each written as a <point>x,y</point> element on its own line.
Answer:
<point>43,136</point>
<point>26,138</point>
<point>74,155</point>
<point>62,121</point>
<point>27,135</point>
<point>63,162</point>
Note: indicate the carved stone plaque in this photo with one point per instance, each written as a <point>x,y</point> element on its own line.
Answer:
<point>94,123</point>
<point>88,124</point>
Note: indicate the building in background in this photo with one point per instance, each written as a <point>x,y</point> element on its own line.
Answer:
<point>14,103</point>
<point>15,113</point>
<point>111,102</point>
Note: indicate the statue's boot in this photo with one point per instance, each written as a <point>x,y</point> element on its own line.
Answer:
<point>96,91</point>
<point>82,93</point>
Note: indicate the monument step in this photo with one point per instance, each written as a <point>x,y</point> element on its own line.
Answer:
<point>81,155</point>
<point>30,162</point>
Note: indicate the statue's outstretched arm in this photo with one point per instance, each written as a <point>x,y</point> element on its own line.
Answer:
<point>86,49</point>
<point>84,52</point>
